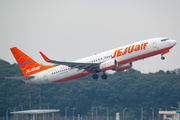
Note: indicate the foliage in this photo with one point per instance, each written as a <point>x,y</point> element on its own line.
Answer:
<point>128,89</point>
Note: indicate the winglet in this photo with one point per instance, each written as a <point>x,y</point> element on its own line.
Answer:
<point>45,58</point>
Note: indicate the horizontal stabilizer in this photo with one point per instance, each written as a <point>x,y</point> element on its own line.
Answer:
<point>20,77</point>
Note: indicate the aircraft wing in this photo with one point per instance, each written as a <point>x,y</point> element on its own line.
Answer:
<point>20,77</point>
<point>86,66</point>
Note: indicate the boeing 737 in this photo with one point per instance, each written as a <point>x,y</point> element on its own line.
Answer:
<point>117,59</point>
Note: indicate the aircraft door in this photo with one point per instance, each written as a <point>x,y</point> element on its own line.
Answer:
<point>154,44</point>
<point>45,77</point>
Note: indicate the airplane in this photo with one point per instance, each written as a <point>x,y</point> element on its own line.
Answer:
<point>117,59</point>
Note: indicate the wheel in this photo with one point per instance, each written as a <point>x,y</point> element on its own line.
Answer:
<point>104,76</point>
<point>162,58</point>
<point>95,76</point>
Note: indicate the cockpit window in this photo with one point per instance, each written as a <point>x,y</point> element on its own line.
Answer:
<point>164,39</point>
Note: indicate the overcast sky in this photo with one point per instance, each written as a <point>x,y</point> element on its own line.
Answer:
<point>72,29</point>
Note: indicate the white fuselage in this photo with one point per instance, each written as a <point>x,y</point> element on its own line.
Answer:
<point>140,51</point>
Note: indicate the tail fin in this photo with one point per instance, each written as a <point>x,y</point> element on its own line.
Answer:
<point>27,65</point>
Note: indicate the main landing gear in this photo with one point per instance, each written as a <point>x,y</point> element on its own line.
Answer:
<point>104,76</point>
<point>95,76</point>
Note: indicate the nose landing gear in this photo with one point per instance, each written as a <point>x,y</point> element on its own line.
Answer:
<point>162,57</point>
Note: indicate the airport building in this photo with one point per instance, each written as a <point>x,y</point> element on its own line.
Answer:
<point>24,115</point>
<point>170,115</point>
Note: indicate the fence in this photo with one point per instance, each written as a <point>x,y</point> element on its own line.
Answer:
<point>57,116</point>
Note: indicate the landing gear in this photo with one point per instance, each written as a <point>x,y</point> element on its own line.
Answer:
<point>162,57</point>
<point>95,76</point>
<point>104,76</point>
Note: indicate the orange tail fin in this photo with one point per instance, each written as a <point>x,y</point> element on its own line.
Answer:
<point>27,65</point>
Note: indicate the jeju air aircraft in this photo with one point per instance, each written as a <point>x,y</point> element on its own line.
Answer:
<point>117,59</point>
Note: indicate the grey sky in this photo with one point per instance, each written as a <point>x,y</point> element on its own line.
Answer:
<point>70,30</point>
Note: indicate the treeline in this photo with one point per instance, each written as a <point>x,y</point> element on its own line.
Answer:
<point>128,89</point>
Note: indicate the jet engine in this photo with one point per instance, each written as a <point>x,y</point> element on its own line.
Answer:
<point>108,65</point>
<point>124,67</point>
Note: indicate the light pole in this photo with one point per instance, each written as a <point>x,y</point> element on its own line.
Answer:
<point>92,112</point>
<point>107,113</point>
<point>152,113</point>
<point>123,112</point>
<point>175,108</point>
<point>7,113</point>
<point>48,109</point>
<point>141,112</point>
<point>73,112</point>
<point>30,100</point>
<point>178,105</point>
<point>165,107</point>
<point>21,110</point>
<point>96,112</point>
<point>66,113</point>
<point>40,99</point>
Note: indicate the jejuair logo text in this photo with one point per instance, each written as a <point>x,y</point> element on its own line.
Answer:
<point>33,69</point>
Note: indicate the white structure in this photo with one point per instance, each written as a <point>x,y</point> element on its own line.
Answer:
<point>170,115</point>
<point>34,113</point>
<point>117,116</point>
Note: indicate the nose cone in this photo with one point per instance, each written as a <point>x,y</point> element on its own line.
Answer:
<point>173,42</point>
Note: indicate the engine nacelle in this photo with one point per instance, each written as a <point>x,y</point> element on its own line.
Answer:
<point>124,67</point>
<point>108,65</point>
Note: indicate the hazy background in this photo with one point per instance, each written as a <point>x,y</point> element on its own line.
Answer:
<point>69,30</point>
